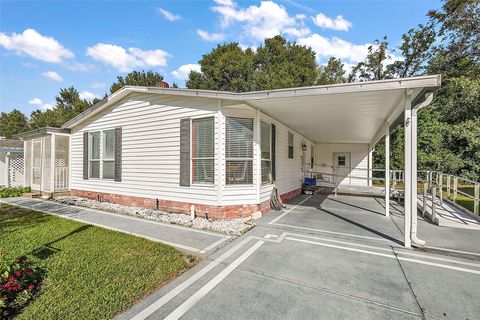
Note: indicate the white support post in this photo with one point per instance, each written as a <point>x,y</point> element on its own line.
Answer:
<point>408,170</point>
<point>414,179</point>
<point>52,164</point>
<point>448,186</point>
<point>220,153</point>
<point>387,169</point>
<point>455,189</point>
<point>370,165</point>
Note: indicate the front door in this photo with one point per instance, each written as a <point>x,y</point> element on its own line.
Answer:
<point>341,165</point>
<point>36,165</point>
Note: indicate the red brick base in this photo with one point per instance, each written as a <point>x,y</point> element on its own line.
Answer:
<point>202,210</point>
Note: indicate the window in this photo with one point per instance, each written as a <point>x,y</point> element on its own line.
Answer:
<point>239,151</point>
<point>341,161</point>
<point>203,150</point>
<point>94,154</point>
<point>290,145</point>
<point>265,147</point>
<point>108,154</point>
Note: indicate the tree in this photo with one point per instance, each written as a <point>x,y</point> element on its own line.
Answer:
<point>277,63</point>
<point>226,68</point>
<point>458,51</point>
<point>68,105</point>
<point>415,50</point>
<point>137,78</point>
<point>12,122</point>
<point>283,64</point>
<point>373,67</point>
<point>331,73</point>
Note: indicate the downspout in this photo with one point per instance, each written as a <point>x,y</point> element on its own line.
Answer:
<point>424,101</point>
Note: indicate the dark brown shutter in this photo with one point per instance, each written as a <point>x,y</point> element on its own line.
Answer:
<point>85,155</point>
<point>118,154</point>
<point>185,152</point>
<point>274,133</point>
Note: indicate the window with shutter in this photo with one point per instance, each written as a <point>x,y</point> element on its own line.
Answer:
<point>203,150</point>
<point>265,147</point>
<point>108,154</point>
<point>290,145</point>
<point>94,155</point>
<point>239,150</point>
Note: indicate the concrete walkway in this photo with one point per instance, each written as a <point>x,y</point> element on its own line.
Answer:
<point>184,238</point>
<point>328,258</point>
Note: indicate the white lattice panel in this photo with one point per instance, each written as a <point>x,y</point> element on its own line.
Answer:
<point>16,172</point>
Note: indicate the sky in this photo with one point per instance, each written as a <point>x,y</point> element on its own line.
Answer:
<point>49,45</point>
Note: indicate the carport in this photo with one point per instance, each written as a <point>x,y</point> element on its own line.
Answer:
<point>358,113</point>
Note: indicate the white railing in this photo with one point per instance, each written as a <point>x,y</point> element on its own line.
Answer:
<point>61,178</point>
<point>440,185</point>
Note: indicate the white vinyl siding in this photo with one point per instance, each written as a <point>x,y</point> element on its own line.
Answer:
<point>203,150</point>
<point>358,160</point>
<point>239,151</point>
<point>150,148</point>
<point>289,175</point>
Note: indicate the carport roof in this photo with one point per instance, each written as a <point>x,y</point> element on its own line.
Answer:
<point>340,113</point>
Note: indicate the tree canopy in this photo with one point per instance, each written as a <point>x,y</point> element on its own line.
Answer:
<point>277,63</point>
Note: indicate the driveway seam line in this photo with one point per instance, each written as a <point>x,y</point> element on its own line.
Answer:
<point>333,292</point>
<point>422,310</point>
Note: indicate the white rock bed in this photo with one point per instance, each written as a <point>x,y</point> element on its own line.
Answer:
<point>233,226</point>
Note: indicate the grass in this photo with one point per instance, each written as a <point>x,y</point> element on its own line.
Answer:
<point>90,272</point>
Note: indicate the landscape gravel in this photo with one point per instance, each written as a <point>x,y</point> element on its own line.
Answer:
<point>232,226</point>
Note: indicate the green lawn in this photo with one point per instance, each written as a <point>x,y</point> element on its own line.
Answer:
<point>90,272</point>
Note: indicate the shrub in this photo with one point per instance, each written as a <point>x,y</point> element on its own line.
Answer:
<point>13,191</point>
<point>19,281</point>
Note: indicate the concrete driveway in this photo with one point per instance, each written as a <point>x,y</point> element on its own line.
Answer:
<point>328,258</point>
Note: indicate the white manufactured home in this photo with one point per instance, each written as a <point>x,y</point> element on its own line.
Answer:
<point>219,151</point>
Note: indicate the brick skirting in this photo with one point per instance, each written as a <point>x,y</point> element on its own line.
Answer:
<point>202,210</point>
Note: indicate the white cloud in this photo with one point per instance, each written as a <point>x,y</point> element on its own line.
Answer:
<point>210,36</point>
<point>335,47</point>
<point>339,23</point>
<point>127,60</point>
<point>35,101</point>
<point>168,15</point>
<point>52,75</point>
<point>225,2</point>
<point>47,106</point>
<point>183,71</point>
<point>97,85</point>
<point>33,44</point>
<point>259,22</point>
<point>86,95</point>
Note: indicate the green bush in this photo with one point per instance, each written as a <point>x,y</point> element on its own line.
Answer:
<point>9,192</point>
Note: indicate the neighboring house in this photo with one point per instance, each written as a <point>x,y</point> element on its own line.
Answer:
<point>11,162</point>
<point>219,151</point>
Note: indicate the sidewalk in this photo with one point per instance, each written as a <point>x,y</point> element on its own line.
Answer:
<point>184,238</point>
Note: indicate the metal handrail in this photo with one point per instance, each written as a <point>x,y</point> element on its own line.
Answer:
<point>431,179</point>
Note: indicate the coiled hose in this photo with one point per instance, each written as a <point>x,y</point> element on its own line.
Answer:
<point>275,201</point>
